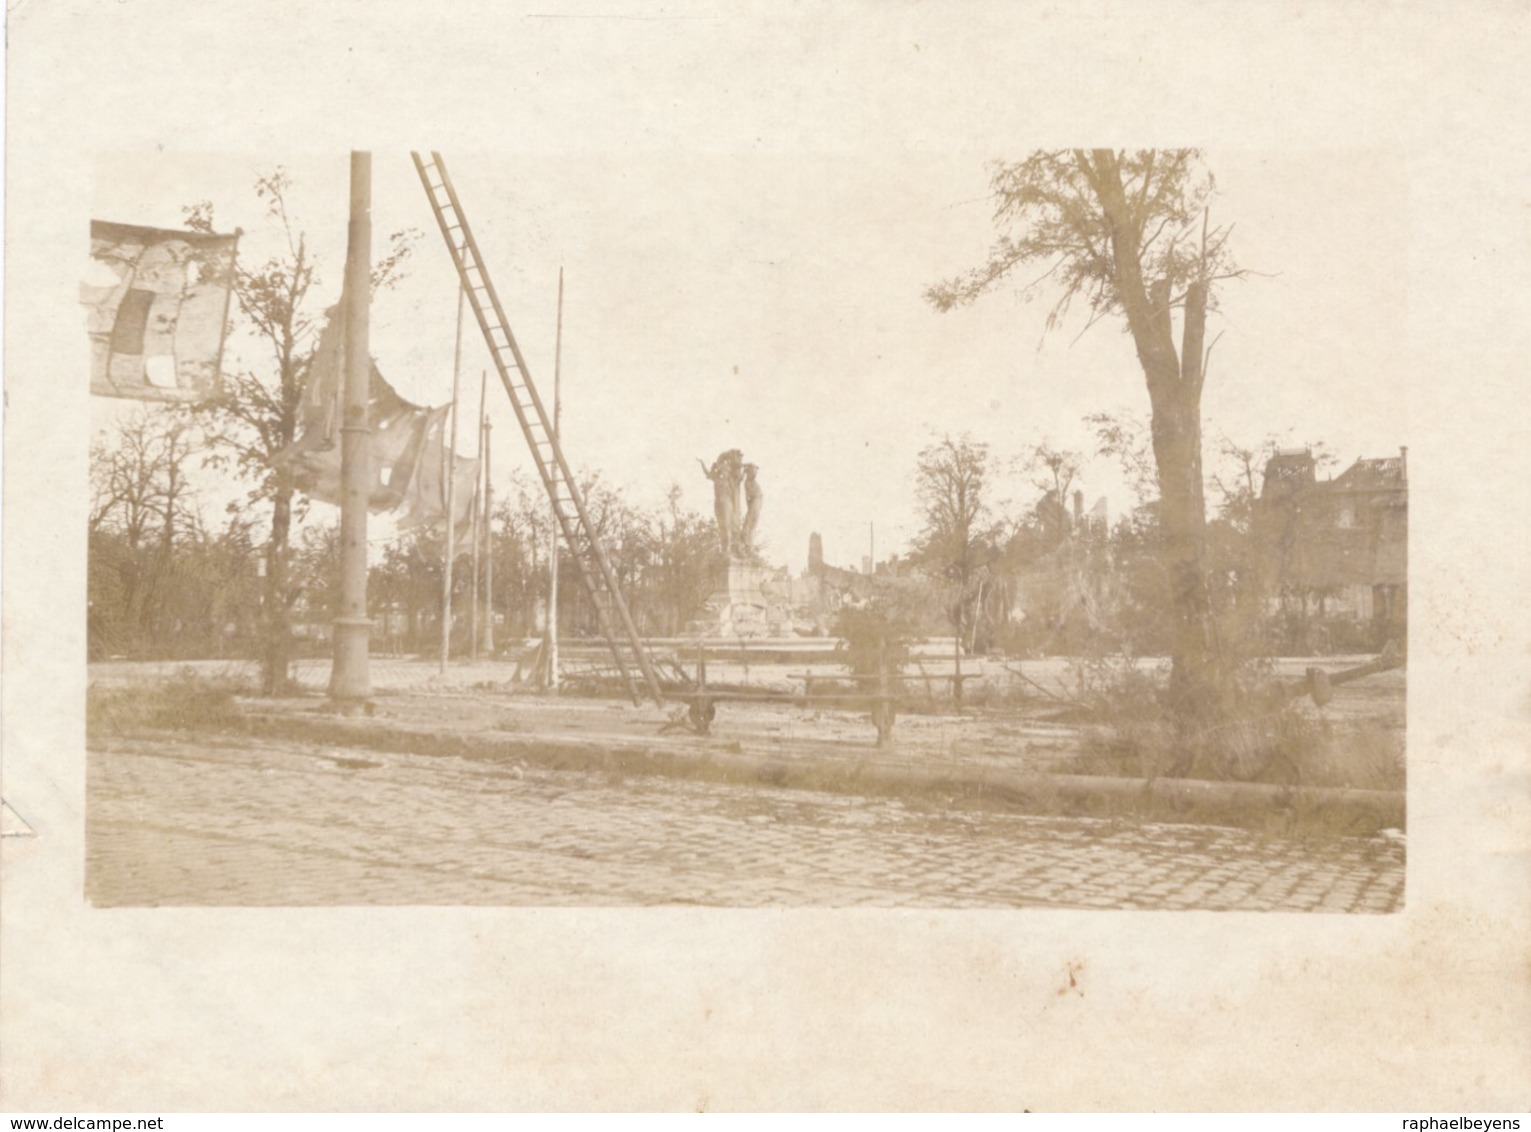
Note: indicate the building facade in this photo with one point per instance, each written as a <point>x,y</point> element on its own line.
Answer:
<point>1336,550</point>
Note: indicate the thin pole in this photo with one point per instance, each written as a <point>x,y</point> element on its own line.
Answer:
<point>957,647</point>
<point>483,389</point>
<point>473,570</point>
<point>488,543</point>
<point>451,491</point>
<point>349,676</point>
<point>553,561</point>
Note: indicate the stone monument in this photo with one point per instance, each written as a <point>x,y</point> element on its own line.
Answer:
<point>750,597</point>
<point>725,474</point>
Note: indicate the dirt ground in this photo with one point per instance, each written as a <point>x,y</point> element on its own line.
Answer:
<point>1017,716</point>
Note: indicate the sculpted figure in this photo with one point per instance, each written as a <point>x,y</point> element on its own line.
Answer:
<point>753,498</point>
<point>724,474</point>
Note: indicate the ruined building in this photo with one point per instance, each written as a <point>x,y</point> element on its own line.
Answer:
<point>1336,550</point>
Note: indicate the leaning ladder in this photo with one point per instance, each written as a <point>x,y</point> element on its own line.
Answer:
<point>590,562</point>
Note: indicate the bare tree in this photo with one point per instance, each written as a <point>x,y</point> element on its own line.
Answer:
<point>137,480</point>
<point>143,513</point>
<point>1129,232</point>
<point>1053,472</point>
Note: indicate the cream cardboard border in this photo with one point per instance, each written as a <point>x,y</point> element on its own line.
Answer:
<point>512,1009</point>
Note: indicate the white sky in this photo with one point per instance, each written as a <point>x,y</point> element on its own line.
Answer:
<point>774,304</point>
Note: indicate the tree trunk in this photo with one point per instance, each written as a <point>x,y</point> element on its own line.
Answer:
<point>1195,677</point>
<point>276,655</point>
<point>1174,391</point>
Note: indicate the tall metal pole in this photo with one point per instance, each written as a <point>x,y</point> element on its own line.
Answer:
<point>553,561</point>
<point>451,492</point>
<point>488,545</point>
<point>349,676</point>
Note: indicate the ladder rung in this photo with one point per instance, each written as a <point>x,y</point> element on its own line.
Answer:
<point>620,633</point>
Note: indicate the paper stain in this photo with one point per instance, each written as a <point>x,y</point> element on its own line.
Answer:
<point>1073,971</point>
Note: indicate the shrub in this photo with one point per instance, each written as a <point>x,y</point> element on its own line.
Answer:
<point>187,703</point>
<point>876,634</point>
<point>1264,733</point>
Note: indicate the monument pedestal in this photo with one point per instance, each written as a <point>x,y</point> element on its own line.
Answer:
<point>749,599</point>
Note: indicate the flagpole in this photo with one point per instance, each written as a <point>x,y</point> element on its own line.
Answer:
<point>473,570</point>
<point>483,391</point>
<point>228,297</point>
<point>451,491</point>
<point>488,542</point>
<point>553,557</point>
<point>349,676</point>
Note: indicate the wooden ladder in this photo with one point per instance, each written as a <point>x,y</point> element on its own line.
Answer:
<point>590,561</point>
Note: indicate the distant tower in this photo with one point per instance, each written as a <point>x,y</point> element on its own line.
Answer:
<point>815,553</point>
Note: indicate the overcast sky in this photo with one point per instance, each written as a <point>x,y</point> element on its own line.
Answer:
<point>774,304</point>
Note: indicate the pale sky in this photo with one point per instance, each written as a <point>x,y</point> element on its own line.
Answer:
<point>774,304</point>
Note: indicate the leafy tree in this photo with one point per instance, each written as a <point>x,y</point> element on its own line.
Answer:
<point>1251,551</point>
<point>877,635</point>
<point>665,559</point>
<point>1128,439</point>
<point>685,562</point>
<point>957,541</point>
<point>1129,234</point>
<point>256,417</point>
<point>316,571</point>
<point>233,602</point>
<point>407,583</point>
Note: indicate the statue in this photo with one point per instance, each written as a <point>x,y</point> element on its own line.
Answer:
<point>753,497</point>
<point>725,474</point>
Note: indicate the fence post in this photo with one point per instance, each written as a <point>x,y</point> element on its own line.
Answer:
<point>883,714</point>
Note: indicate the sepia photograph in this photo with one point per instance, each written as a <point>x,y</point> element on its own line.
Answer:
<point>705,530</point>
<point>770,557</point>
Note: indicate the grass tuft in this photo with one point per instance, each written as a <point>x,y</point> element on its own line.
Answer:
<point>187,703</point>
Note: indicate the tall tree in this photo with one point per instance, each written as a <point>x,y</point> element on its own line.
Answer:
<point>1129,232</point>
<point>959,530</point>
<point>686,560</point>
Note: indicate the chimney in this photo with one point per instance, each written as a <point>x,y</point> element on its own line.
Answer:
<point>815,554</point>
<point>1403,462</point>
<point>1078,510</point>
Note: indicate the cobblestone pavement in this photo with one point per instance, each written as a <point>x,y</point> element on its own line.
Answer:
<point>189,820</point>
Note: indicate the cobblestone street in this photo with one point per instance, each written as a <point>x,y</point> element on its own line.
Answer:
<point>189,820</point>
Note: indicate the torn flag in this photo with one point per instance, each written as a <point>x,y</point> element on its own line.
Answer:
<point>393,444</point>
<point>405,444</point>
<point>156,304</point>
